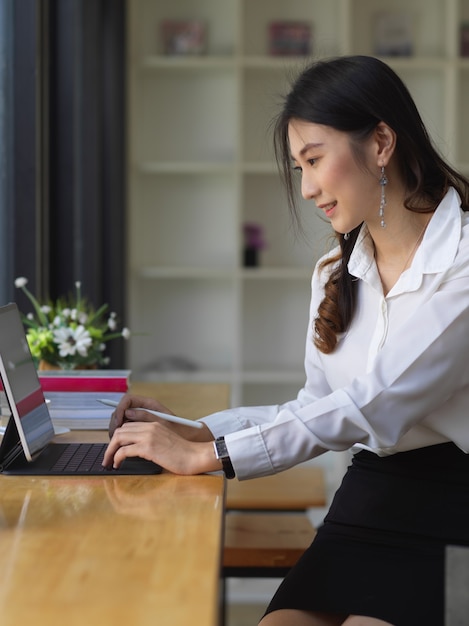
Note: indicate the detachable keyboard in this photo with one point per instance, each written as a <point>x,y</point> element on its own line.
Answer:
<point>68,459</point>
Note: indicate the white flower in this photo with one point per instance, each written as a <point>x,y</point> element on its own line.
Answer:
<point>83,339</point>
<point>45,308</point>
<point>21,281</point>
<point>112,324</point>
<point>72,341</point>
<point>82,317</point>
<point>125,333</point>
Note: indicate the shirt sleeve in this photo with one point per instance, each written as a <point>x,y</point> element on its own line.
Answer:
<point>410,378</point>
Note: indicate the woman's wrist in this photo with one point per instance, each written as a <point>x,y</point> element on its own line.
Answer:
<point>206,459</point>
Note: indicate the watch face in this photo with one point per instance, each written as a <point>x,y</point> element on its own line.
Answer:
<point>222,451</point>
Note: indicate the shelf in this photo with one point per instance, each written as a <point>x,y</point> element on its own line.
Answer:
<point>185,167</point>
<point>209,273</point>
<point>175,63</point>
<point>277,273</point>
<point>266,63</point>
<point>201,164</point>
<point>184,273</point>
<point>206,376</point>
<point>270,377</point>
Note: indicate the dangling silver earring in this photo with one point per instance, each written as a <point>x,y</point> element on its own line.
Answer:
<point>346,236</point>
<point>383,181</point>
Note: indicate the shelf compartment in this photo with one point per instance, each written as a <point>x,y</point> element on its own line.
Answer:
<point>220,17</point>
<point>185,221</point>
<point>275,315</point>
<point>321,15</point>
<point>262,94</point>
<point>172,321</point>
<point>428,25</point>
<point>201,128</point>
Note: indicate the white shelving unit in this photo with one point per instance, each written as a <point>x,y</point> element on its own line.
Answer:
<point>201,164</point>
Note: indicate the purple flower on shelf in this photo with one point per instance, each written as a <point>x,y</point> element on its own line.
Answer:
<point>253,242</point>
<point>253,236</point>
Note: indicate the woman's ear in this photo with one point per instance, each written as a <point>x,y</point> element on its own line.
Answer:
<point>385,139</point>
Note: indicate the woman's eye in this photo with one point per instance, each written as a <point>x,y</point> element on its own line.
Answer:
<point>297,168</point>
<point>312,161</point>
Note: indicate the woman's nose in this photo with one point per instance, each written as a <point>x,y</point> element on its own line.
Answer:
<point>309,189</point>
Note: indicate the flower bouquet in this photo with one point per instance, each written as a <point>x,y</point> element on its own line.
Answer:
<point>69,333</point>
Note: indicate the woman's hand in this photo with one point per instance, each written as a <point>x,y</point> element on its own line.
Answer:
<point>125,412</point>
<point>160,443</point>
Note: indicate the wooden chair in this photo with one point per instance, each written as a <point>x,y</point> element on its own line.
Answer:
<point>297,489</point>
<point>262,545</point>
<point>259,545</point>
<point>266,525</point>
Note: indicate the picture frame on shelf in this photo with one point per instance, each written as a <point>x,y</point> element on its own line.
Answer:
<point>184,37</point>
<point>393,34</point>
<point>290,38</point>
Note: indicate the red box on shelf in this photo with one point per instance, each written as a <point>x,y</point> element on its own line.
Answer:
<point>290,38</point>
<point>184,37</point>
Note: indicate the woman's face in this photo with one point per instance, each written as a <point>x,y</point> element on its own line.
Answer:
<point>346,191</point>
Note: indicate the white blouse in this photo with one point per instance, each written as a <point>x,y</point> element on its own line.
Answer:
<point>399,377</point>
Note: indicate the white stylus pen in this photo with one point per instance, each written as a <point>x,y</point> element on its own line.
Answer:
<point>166,416</point>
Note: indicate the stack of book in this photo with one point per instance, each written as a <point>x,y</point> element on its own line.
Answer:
<point>74,396</point>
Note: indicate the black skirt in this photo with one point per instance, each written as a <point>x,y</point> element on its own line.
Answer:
<point>381,549</point>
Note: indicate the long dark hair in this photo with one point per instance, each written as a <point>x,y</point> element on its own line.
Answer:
<point>353,94</point>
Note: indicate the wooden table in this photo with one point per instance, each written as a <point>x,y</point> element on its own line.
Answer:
<point>110,550</point>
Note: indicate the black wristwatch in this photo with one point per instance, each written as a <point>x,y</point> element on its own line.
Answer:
<point>221,452</point>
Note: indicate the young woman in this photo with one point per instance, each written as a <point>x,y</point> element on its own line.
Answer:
<point>386,359</point>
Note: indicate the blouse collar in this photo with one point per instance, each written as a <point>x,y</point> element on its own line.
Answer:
<point>435,254</point>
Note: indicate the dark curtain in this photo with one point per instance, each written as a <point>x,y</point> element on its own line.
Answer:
<point>23,165</point>
<point>67,210</point>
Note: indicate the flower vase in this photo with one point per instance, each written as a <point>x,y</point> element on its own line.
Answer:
<point>45,366</point>
<point>251,257</point>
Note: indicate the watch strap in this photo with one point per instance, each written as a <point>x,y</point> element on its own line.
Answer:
<point>221,452</point>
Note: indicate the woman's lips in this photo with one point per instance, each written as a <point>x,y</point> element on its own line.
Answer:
<point>328,208</point>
